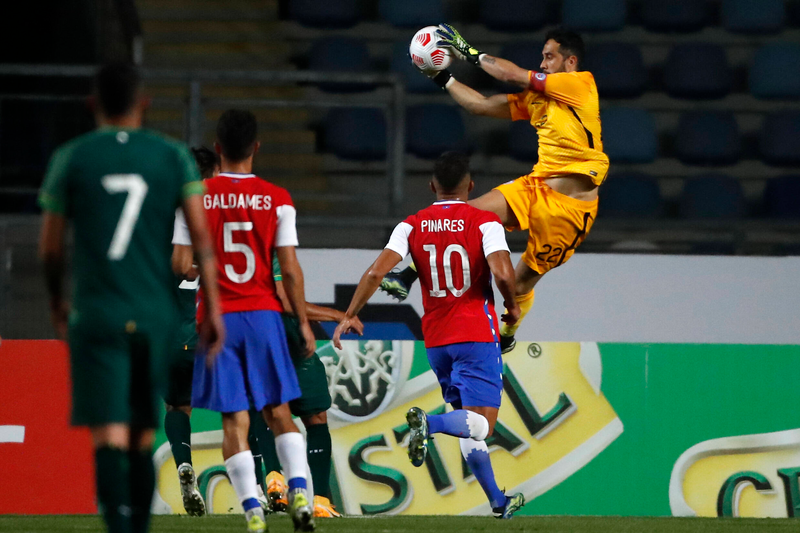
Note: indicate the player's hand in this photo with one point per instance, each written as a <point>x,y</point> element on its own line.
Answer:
<point>59,316</point>
<point>212,336</point>
<point>308,337</point>
<point>349,324</point>
<point>449,36</point>
<point>511,316</point>
<point>356,326</point>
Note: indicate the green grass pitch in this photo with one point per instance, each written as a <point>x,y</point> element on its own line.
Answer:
<point>415,524</point>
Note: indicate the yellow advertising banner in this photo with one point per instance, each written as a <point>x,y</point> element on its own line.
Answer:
<point>554,419</point>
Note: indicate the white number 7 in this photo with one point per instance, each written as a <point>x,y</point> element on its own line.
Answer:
<point>136,187</point>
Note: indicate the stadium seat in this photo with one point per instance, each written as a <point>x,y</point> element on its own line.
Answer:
<point>591,15</point>
<point>747,16</point>
<point>776,71</point>
<point>432,129</point>
<point>525,54</point>
<point>674,15</point>
<point>523,141</point>
<point>415,81</point>
<point>340,54</point>
<point>513,15</point>
<point>780,197</point>
<point>618,69</point>
<point>330,14</point>
<point>708,138</point>
<point>685,78</point>
<point>780,138</point>
<point>712,197</point>
<point>631,195</point>
<point>356,133</point>
<point>411,13</point>
<point>629,135</point>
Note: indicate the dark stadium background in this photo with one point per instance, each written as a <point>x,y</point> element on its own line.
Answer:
<point>700,104</point>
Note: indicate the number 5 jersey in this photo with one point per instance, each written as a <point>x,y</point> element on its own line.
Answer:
<point>248,218</point>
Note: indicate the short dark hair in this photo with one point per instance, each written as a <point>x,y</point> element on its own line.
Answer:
<point>569,42</point>
<point>207,161</point>
<point>115,87</point>
<point>236,133</point>
<point>450,170</point>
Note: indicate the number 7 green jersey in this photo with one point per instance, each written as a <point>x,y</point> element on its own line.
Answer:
<point>120,188</point>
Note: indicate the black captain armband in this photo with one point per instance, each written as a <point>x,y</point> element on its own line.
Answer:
<point>443,78</point>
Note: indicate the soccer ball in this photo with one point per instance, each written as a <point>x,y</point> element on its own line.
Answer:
<point>424,52</point>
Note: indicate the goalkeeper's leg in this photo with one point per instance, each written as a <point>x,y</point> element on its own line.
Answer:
<point>397,284</point>
<point>526,279</point>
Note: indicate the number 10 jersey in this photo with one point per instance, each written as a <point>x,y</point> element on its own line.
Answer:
<point>449,242</point>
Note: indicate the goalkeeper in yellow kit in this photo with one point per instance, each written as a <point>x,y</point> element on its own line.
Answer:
<point>557,202</point>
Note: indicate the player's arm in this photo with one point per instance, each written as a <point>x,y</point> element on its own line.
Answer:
<point>495,249</point>
<point>504,70</point>
<point>182,255</point>
<point>212,330</point>
<point>369,283</point>
<point>503,274</point>
<point>315,313</point>
<point>477,104</point>
<point>54,201</point>
<point>51,252</point>
<point>294,286</point>
<point>183,262</point>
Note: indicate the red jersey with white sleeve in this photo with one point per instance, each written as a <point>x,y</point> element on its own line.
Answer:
<point>248,217</point>
<point>449,242</point>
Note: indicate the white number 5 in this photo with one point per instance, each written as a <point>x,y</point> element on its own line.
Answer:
<point>136,187</point>
<point>229,246</point>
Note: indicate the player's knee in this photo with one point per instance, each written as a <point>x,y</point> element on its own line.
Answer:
<point>479,427</point>
<point>315,420</point>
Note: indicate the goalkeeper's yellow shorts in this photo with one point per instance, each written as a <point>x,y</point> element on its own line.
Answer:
<point>557,224</point>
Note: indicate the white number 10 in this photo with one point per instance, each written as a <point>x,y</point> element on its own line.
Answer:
<point>136,187</point>
<point>436,292</point>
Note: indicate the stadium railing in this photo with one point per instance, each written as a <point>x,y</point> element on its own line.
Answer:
<point>195,105</point>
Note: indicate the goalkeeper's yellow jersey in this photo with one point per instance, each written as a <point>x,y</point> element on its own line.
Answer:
<point>565,110</point>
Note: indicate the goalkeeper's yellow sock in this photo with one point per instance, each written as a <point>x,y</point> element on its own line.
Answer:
<point>525,303</point>
<point>409,274</point>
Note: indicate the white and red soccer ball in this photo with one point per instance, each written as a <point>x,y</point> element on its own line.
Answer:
<point>424,52</point>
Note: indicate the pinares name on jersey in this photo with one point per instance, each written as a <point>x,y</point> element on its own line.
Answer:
<point>441,225</point>
<point>258,202</point>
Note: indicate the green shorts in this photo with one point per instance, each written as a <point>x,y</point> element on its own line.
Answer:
<point>117,377</point>
<point>181,373</point>
<point>315,397</point>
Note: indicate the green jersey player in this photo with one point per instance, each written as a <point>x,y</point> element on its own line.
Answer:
<point>120,186</point>
<point>311,408</point>
<point>177,423</point>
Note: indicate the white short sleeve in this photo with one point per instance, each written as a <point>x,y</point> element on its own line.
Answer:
<point>180,232</point>
<point>398,242</point>
<point>286,232</point>
<point>494,238</point>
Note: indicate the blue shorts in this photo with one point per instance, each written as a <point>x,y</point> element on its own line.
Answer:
<point>470,373</point>
<point>254,367</point>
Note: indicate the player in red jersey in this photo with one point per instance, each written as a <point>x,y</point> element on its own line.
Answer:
<point>248,218</point>
<point>462,247</point>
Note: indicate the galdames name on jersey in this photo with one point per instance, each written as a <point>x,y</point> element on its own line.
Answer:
<point>259,202</point>
<point>441,225</point>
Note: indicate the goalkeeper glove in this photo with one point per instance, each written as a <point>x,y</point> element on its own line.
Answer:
<point>449,36</point>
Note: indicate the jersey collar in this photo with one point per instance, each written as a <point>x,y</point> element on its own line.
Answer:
<point>235,175</point>
<point>446,202</point>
